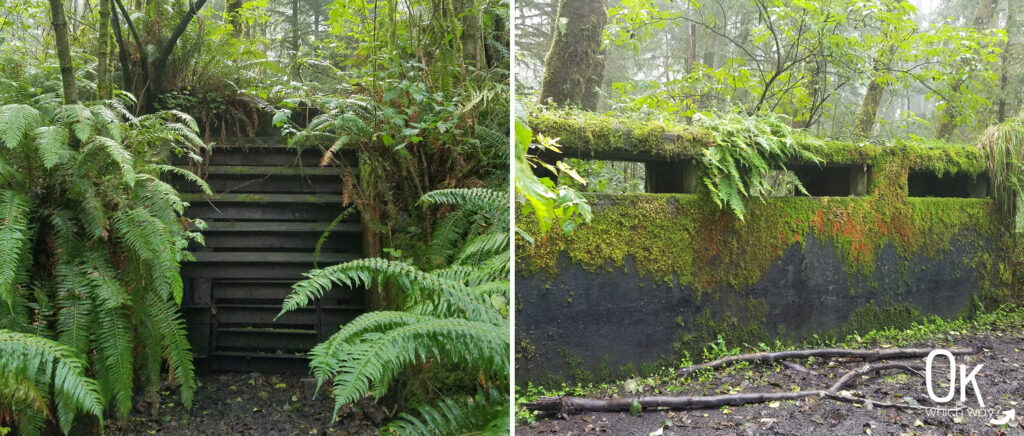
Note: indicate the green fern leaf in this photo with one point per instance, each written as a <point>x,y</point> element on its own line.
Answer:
<point>116,152</point>
<point>482,414</point>
<point>370,365</point>
<point>450,296</point>
<point>17,120</point>
<point>14,233</point>
<point>52,144</point>
<point>176,349</point>
<point>31,355</point>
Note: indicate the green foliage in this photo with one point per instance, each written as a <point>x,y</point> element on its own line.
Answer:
<point>481,414</point>
<point>32,367</point>
<point>1003,145</point>
<point>91,242</point>
<point>458,313</point>
<point>549,203</point>
<point>744,152</point>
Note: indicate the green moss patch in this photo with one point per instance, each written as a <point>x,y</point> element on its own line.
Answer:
<point>594,134</point>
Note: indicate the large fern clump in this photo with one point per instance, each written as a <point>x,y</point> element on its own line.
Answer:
<point>457,313</point>
<point>91,239</point>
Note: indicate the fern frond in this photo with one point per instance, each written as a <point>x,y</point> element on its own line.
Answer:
<point>91,211</point>
<point>52,365</point>
<point>79,117</point>
<point>75,322</point>
<point>171,329</point>
<point>475,198</point>
<point>17,120</point>
<point>148,239</point>
<point>327,232</point>
<point>452,297</point>
<point>116,152</point>
<point>107,122</point>
<point>52,144</point>
<point>325,358</point>
<point>370,365</point>
<point>482,414</point>
<point>159,169</point>
<point>114,345</point>
<point>14,233</point>
<point>484,245</point>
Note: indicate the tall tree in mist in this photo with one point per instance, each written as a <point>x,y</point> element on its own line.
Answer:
<point>574,67</point>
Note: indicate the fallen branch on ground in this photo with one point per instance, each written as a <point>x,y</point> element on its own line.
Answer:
<point>865,355</point>
<point>565,406</point>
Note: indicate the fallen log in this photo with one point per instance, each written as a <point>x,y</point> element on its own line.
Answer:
<point>565,406</point>
<point>570,405</point>
<point>865,355</point>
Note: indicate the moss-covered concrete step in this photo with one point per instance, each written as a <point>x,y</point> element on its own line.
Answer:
<point>266,339</point>
<point>285,235</point>
<point>275,291</point>
<point>266,207</point>
<point>243,361</point>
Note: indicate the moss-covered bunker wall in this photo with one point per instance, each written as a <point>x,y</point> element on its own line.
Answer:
<point>654,276</point>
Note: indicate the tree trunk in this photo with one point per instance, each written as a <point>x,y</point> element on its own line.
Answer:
<point>569,66</point>
<point>156,86</point>
<point>103,90</point>
<point>127,81</point>
<point>691,49</point>
<point>60,34</point>
<point>471,20</point>
<point>592,89</point>
<point>1013,28</point>
<point>869,106</point>
<point>295,28</point>
<point>231,10</point>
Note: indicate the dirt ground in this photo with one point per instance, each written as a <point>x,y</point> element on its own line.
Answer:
<point>1001,381</point>
<point>248,404</point>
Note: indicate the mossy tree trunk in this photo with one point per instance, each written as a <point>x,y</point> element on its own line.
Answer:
<point>869,106</point>
<point>231,8</point>
<point>471,20</point>
<point>570,66</point>
<point>592,88</point>
<point>60,36</point>
<point>1010,53</point>
<point>103,51</point>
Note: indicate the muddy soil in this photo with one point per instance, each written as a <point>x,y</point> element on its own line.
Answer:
<point>1001,381</point>
<point>247,404</point>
